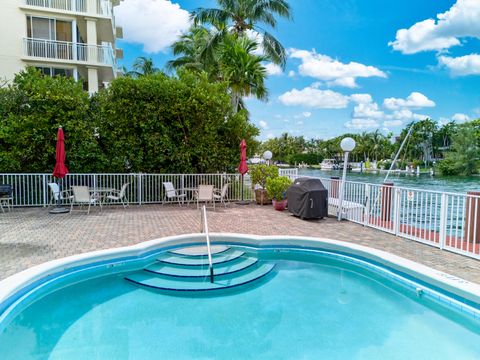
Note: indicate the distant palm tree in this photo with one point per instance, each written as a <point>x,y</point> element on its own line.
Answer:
<point>143,66</point>
<point>242,15</point>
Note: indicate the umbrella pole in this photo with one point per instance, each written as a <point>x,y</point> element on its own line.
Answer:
<point>242,201</point>
<point>59,209</point>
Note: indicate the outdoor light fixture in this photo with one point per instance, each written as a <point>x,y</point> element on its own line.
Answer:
<point>347,144</point>
<point>267,155</point>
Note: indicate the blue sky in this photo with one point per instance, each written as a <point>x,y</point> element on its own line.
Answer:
<point>353,65</point>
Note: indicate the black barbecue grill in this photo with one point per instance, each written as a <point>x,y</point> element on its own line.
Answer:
<point>308,198</point>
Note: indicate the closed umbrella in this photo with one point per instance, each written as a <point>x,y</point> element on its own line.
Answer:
<point>243,167</point>
<point>60,170</point>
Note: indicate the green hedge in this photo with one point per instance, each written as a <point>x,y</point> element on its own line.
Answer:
<point>150,124</point>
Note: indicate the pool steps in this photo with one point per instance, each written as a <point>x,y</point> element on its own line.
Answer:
<point>181,272</point>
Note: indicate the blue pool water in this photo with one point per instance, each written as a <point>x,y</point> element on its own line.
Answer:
<point>311,307</point>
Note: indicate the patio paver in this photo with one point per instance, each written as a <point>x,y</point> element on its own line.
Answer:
<point>31,236</point>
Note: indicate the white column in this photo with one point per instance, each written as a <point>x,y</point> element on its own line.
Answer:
<point>75,74</point>
<point>92,54</point>
<point>74,40</point>
<point>92,80</point>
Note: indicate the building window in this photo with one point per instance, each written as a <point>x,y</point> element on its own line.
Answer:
<point>49,29</point>
<point>51,71</point>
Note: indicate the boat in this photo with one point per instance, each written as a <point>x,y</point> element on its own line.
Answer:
<point>328,164</point>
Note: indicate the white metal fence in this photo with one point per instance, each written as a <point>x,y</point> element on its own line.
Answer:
<point>33,190</point>
<point>444,220</point>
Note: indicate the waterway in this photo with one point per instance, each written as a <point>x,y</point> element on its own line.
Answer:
<point>456,184</point>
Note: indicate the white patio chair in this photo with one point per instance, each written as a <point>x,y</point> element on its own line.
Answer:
<point>82,196</point>
<point>119,196</point>
<point>205,195</point>
<point>221,195</point>
<point>55,191</point>
<point>172,195</point>
<point>6,197</point>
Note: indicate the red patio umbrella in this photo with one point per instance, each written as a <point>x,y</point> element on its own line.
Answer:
<point>243,167</point>
<point>60,169</point>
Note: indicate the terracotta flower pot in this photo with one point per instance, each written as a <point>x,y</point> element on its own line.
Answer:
<point>261,197</point>
<point>279,205</point>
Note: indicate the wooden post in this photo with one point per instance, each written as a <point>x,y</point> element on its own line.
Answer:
<point>387,193</point>
<point>334,186</point>
<point>472,217</point>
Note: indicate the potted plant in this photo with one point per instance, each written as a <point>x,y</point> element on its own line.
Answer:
<point>259,175</point>
<point>277,190</point>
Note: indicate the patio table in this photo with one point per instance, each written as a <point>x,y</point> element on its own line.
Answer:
<point>101,192</point>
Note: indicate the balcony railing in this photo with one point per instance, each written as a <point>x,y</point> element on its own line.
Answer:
<point>95,7</point>
<point>68,51</point>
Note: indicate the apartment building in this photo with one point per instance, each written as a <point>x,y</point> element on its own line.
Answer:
<point>69,37</point>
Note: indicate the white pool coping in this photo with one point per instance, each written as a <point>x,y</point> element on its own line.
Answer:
<point>15,284</point>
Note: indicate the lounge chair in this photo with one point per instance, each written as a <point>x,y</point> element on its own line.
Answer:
<point>55,191</point>
<point>221,195</point>
<point>205,194</point>
<point>119,195</point>
<point>6,196</point>
<point>172,195</point>
<point>82,196</point>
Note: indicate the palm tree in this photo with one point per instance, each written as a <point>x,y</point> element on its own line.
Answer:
<point>242,69</point>
<point>193,50</point>
<point>242,15</point>
<point>143,66</point>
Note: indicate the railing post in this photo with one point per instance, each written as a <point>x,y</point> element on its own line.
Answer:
<point>443,221</point>
<point>139,189</point>
<point>366,215</point>
<point>396,210</point>
<point>44,185</point>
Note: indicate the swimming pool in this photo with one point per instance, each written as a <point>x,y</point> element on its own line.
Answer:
<point>322,299</point>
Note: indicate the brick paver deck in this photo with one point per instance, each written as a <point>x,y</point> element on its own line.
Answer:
<point>31,236</point>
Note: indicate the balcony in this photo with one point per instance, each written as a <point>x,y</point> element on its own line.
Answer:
<point>68,52</point>
<point>85,7</point>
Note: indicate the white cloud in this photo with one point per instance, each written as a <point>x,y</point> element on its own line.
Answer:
<point>387,123</point>
<point>299,122</point>
<point>263,124</point>
<point>291,73</point>
<point>315,98</point>
<point>273,69</point>
<point>460,118</point>
<point>367,110</point>
<point>362,124</point>
<point>306,114</point>
<point>361,98</point>
<point>461,66</point>
<point>414,100</point>
<point>156,24</point>
<point>333,72</point>
<point>270,136</point>
<point>460,21</point>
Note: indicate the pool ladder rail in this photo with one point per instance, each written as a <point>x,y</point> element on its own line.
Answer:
<point>187,269</point>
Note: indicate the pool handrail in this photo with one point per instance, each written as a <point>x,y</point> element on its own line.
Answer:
<point>204,228</point>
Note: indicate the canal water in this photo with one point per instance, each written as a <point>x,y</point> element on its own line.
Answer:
<point>456,184</point>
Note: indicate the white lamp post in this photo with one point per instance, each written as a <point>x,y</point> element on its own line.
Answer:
<point>347,145</point>
<point>267,155</point>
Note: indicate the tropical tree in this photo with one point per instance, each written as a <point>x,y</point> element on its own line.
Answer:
<point>465,154</point>
<point>241,16</point>
<point>192,53</point>
<point>143,66</point>
<point>242,70</point>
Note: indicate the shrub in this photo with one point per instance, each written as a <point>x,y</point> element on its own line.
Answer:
<point>259,174</point>
<point>277,187</point>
